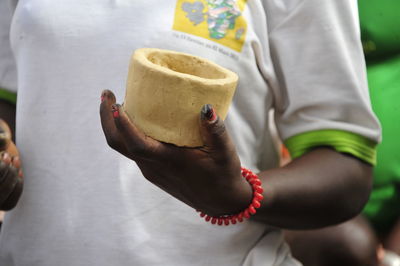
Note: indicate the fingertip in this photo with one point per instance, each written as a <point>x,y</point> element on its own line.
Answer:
<point>208,113</point>
<point>212,130</point>
<point>16,162</point>
<point>107,96</point>
<point>6,158</point>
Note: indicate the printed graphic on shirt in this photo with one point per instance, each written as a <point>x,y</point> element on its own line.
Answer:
<point>220,21</point>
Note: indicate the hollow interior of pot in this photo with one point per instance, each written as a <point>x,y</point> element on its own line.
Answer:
<point>187,65</point>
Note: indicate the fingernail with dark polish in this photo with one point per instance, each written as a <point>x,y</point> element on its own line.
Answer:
<point>115,110</point>
<point>208,112</point>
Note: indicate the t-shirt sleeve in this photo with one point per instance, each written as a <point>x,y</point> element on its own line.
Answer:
<point>8,73</point>
<point>322,95</point>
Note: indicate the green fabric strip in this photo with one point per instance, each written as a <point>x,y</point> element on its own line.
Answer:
<point>8,96</point>
<point>341,141</point>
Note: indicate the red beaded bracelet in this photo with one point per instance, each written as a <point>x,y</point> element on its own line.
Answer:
<point>255,182</point>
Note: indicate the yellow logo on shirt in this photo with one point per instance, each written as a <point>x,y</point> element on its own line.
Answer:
<point>220,21</point>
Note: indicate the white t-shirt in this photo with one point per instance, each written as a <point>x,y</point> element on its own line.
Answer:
<point>85,204</point>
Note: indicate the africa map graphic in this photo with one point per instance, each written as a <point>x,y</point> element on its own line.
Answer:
<point>217,20</point>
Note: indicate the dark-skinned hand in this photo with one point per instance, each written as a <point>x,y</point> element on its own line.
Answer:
<point>11,181</point>
<point>207,178</point>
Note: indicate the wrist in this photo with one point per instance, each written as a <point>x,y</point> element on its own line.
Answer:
<point>247,203</point>
<point>226,197</point>
<point>243,194</point>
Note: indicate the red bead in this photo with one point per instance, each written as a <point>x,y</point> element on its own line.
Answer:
<point>257,182</point>
<point>246,214</point>
<point>202,214</point>
<point>254,176</point>
<point>258,196</point>
<point>226,221</point>
<point>213,220</point>
<point>251,209</point>
<point>220,221</point>
<point>208,218</point>
<point>256,204</point>
<point>233,219</point>
<point>258,189</point>
<point>240,219</point>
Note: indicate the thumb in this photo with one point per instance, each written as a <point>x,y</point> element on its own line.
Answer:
<point>212,130</point>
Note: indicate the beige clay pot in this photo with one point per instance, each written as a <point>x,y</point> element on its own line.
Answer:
<point>166,91</point>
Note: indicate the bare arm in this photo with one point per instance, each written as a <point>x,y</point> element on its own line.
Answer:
<point>320,188</point>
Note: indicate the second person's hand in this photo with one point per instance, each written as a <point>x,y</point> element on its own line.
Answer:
<point>11,177</point>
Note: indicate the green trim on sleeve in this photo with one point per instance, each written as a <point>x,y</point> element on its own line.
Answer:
<point>8,96</point>
<point>341,141</point>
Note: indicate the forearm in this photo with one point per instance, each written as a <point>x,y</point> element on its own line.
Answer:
<point>321,188</point>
